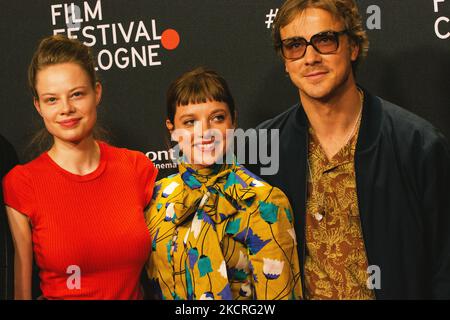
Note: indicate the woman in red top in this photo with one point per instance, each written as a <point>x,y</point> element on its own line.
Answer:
<point>79,206</point>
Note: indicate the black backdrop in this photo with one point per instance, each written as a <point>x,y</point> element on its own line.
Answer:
<point>408,62</point>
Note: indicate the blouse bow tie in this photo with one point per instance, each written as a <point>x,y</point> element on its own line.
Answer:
<point>216,192</point>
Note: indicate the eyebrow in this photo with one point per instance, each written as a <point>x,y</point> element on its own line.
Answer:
<point>299,37</point>
<point>220,109</point>
<point>186,115</point>
<point>77,88</point>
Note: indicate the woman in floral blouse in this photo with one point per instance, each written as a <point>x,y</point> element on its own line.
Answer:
<point>218,231</point>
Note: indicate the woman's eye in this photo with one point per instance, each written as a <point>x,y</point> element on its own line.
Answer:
<point>77,94</point>
<point>220,117</point>
<point>50,100</point>
<point>188,122</point>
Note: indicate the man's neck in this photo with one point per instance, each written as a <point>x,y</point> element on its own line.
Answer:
<point>78,158</point>
<point>334,119</point>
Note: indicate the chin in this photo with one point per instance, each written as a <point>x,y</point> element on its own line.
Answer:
<point>206,160</point>
<point>316,92</point>
<point>205,157</point>
<point>74,139</point>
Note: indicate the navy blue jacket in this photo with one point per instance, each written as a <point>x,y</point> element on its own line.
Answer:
<point>402,166</point>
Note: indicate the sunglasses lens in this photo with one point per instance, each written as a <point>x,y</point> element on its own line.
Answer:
<point>325,43</point>
<point>294,48</point>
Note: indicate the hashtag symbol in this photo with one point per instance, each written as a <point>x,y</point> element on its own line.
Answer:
<point>270,17</point>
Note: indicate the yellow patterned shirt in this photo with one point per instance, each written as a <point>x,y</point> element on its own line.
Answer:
<point>221,233</point>
<point>335,262</point>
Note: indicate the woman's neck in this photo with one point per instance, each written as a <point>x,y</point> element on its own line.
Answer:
<point>79,158</point>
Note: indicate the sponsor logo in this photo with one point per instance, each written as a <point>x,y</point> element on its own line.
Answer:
<point>120,45</point>
<point>442,24</point>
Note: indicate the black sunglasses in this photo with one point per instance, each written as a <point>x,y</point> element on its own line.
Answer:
<point>326,42</point>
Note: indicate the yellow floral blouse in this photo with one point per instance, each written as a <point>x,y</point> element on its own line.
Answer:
<point>221,233</point>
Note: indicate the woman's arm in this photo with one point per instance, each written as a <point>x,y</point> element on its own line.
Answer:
<point>23,256</point>
<point>273,249</point>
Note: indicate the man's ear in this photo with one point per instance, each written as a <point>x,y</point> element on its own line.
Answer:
<point>354,51</point>
<point>37,105</point>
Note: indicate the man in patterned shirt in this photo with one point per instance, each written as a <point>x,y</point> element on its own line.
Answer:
<point>368,181</point>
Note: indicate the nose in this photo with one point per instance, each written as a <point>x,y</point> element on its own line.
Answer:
<point>312,56</point>
<point>202,127</point>
<point>66,106</point>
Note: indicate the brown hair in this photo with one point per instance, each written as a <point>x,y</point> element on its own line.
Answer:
<point>345,10</point>
<point>198,86</point>
<point>54,50</point>
<point>60,49</point>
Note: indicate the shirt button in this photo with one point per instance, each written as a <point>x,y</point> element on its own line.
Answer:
<point>318,216</point>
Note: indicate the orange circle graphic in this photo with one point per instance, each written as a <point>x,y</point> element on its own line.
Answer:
<point>170,39</point>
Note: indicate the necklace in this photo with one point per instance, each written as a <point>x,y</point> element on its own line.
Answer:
<point>358,119</point>
<point>321,210</point>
